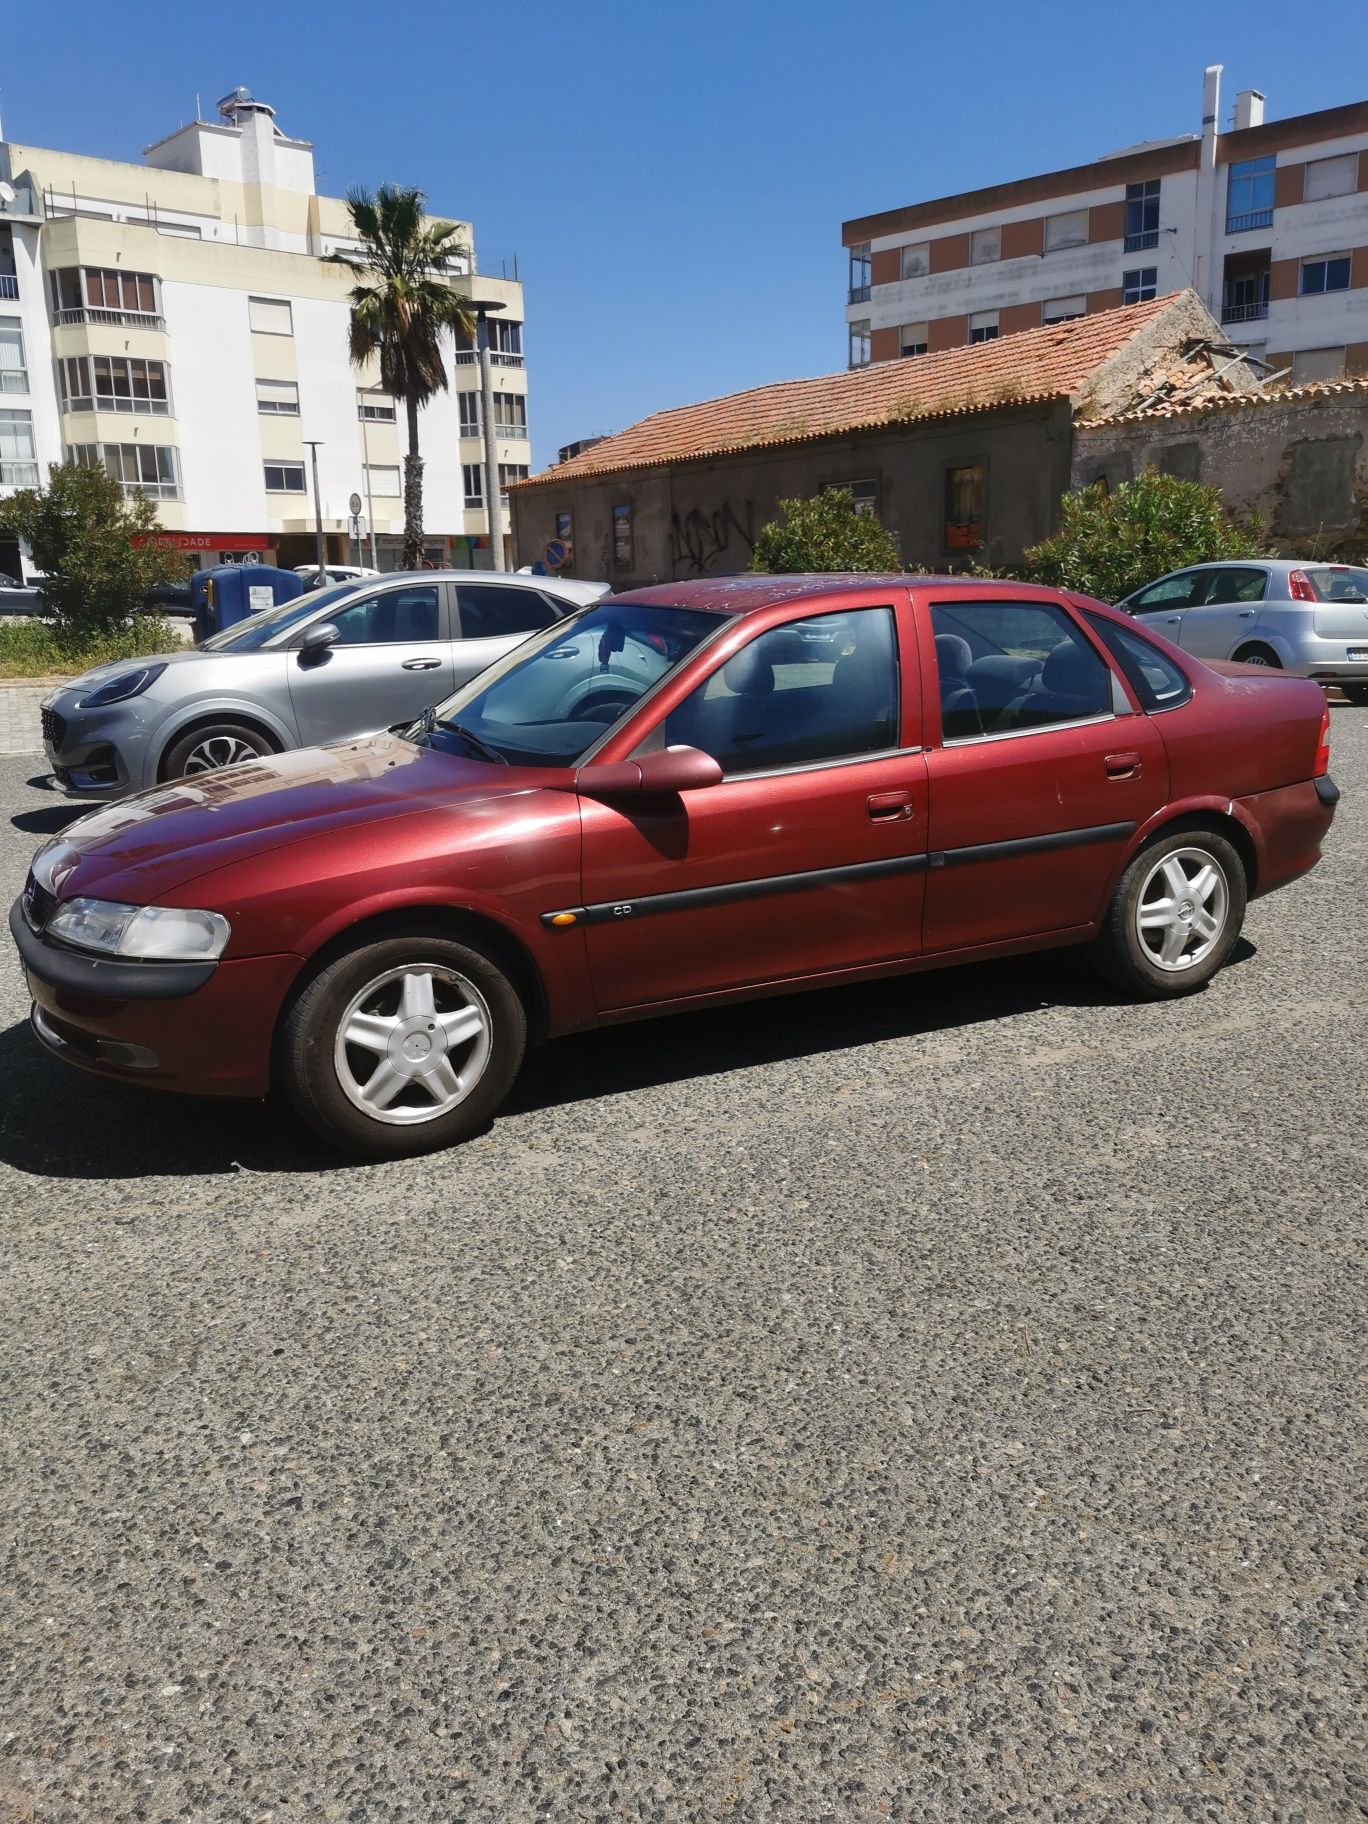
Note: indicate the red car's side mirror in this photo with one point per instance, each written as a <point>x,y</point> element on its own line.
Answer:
<point>668,769</point>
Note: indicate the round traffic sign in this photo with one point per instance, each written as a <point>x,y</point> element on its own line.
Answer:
<point>354,503</point>
<point>556,553</point>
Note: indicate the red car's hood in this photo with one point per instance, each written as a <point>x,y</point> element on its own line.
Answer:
<point>156,840</point>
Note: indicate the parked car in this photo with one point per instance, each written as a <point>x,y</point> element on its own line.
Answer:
<point>1286,613</point>
<point>19,598</point>
<point>172,597</point>
<point>332,573</point>
<point>815,781</point>
<point>325,666</point>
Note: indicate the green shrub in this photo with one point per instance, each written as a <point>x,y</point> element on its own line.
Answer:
<point>1111,543</point>
<point>826,533</point>
<point>98,551</point>
<point>39,649</point>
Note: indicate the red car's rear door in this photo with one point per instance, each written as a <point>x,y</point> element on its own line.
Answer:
<point>809,856</point>
<point>1041,774</point>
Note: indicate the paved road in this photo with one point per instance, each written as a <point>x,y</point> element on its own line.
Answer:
<point>929,1402</point>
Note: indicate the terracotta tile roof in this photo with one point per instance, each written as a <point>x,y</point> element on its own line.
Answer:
<point>1224,402</point>
<point>1034,365</point>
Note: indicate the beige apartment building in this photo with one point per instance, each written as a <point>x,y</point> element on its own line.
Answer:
<point>1267,222</point>
<point>178,322</point>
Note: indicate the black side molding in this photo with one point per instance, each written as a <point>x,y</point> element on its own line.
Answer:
<point>1326,790</point>
<point>103,978</point>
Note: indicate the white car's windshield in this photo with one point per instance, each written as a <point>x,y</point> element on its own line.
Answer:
<point>558,693</point>
<point>251,634</point>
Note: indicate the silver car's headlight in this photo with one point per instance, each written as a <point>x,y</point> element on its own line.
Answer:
<point>162,933</point>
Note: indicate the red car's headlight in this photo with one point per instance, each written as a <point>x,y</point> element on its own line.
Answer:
<point>158,933</point>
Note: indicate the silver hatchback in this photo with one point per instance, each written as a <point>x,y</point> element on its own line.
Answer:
<point>1288,613</point>
<point>330,665</point>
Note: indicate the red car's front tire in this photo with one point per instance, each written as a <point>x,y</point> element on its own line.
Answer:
<point>403,1045</point>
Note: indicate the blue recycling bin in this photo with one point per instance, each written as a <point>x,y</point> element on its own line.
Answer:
<point>234,592</point>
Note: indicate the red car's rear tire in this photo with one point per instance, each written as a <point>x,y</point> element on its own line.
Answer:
<point>1176,915</point>
<point>403,1045</point>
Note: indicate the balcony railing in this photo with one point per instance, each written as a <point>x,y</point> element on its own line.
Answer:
<point>859,294</point>
<point>154,490</point>
<point>1253,218</point>
<point>1140,243</point>
<point>18,474</point>
<point>114,319</point>
<point>498,357</point>
<point>1243,313</point>
<point>156,408</point>
<point>9,285</point>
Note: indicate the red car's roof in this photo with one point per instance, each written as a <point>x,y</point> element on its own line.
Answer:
<point>748,594</point>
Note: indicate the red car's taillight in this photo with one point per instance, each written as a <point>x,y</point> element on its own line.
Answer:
<point>1323,748</point>
<point>1299,587</point>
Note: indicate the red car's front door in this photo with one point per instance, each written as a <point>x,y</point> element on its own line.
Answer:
<point>1042,773</point>
<point>808,857</point>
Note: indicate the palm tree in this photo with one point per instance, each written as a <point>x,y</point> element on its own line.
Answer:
<point>401,305</point>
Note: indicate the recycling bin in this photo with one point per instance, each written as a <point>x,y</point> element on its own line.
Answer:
<point>234,592</point>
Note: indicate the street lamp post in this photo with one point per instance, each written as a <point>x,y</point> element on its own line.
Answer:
<point>320,553</point>
<point>482,309</point>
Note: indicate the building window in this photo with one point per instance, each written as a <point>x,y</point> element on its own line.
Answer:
<point>1327,272</point>
<point>1067,230</point>
<point>510,414</point>
<point>18,453</point>
<point>983,326</point>
<point>114,383</point>
<point>278,397</point>
<point>270,316</point>
<point>859,343</point>
<point>1310,364</point>
<point>468,405</point>
<point>472,476</point>
<point>985,246</point>
<point>97,294</point>
<point>382,478</point>
<point>505,343</point>
<point>1140,284</point>
<point>865,495</point>
<point>1063,310</point>
<point>861,270</point>
<point>284,478</point>
<point>1142,216</point>
<point>374,407</point>
<point>913,339</point>
<point>140,468</point>
<point>915,260</point>
<point>13,369</point>
<point>622,537</point>
<point>1326,177</point>
<point>1244,297</point>
<point>964,507</point>
<point>1249,195</point>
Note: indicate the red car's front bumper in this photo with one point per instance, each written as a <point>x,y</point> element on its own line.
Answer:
<point>212,1041</point>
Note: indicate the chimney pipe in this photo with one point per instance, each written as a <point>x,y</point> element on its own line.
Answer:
<point>1249,109</point>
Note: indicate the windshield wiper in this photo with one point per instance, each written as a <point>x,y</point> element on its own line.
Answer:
<point>472,740</point>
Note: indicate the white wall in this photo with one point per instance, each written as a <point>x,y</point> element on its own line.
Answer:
<point>213,393</point>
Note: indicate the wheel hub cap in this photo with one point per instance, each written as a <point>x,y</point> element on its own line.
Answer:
<point>1183,909</point>
<point>413,1044</point>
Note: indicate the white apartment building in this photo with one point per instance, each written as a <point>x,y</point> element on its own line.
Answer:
<point>1268,222</point>
<point>177,321</point>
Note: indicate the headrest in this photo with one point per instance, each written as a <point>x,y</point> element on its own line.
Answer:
<point>749,672</point>
<point>1070,671</point>
<point>954,656</point>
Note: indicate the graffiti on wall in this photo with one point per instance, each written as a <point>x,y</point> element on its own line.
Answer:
<point>722,539</point>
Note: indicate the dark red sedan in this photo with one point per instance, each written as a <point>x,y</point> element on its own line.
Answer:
<point>691,793</point>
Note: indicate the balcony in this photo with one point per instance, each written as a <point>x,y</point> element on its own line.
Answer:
<point>102,402</point>
<point>154,490</point>
<point>1141,243</point>
<point>1244,313</point>
<point>1244,286</point>
<point>113,319</point>
<point>9,285</point>
<point>1253,218</point>
<point>858,294</point>
<point>498,357</point>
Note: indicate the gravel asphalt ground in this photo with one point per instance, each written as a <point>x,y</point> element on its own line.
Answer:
<point>931,1401</point>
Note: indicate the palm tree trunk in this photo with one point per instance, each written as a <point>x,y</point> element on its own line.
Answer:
<point>413,494</point>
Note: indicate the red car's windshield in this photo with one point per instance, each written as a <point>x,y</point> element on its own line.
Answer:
<point>558,693</point>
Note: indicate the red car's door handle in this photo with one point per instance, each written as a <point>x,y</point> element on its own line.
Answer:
<point>1123,766</point>
<point>889,807</point>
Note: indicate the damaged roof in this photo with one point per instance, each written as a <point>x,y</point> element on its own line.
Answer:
<point>1061,361</point>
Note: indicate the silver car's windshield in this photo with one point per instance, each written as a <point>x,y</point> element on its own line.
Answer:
<point>554,696</point>
<point>250,635</point>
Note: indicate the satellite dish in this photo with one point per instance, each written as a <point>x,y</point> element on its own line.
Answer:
<point>7,193</point>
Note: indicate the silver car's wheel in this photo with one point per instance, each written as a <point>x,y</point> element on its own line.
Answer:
<point>1181,913</point>
<point>413,1044</point>
<point>216,751</point>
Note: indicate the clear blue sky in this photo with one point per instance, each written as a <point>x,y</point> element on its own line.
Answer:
<point>673,178</point>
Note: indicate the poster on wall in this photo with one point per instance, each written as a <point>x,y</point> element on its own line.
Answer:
<point>622,537</point>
